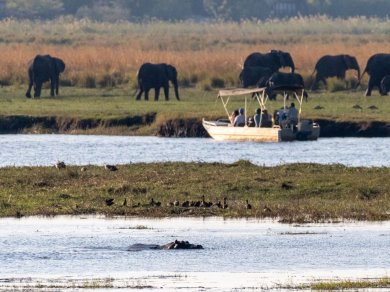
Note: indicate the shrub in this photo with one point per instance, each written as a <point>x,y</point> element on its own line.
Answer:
<point>217,82</point>
<point>335,84</point>
<point>90,81</point>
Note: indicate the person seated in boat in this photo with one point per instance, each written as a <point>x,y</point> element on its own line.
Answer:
<point>239,120</point>
<point>256,117</point>
<point>282,118</point>
<point>266,119</point>
<point>251,122</point>
<point>233,116</point>
<point>292,116</point>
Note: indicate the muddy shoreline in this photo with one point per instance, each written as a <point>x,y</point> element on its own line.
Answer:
<point>190,127</point>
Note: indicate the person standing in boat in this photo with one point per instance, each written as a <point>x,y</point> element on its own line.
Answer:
<point>239,121</point>
<point>256,118</point>
<point>292,115</point>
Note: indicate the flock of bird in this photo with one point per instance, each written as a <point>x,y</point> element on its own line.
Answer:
<point>152,203</point>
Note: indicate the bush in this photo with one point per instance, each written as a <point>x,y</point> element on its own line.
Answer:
<point>90,81</point>
<point>217,82</point>
<point>335,84</point>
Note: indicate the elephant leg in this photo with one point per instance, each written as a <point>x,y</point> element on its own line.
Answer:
<point>52,86</point>
<point>314,86</point>
<point>166,92</point>
<point>156,93</point>
<point>30,85</point>
<point>147,93</point>
<point>371,84</point>
<point>37,89</point>
<point>139,93</point>
<point>57,79</point>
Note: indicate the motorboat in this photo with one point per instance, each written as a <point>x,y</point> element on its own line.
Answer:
<point>278,131</point>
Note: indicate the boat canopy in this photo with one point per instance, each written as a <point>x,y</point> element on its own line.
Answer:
<point>240,91</point>
<point>245,91</point>
<point>260,94</point>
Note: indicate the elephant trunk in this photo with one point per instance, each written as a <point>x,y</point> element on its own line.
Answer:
<point>176,88</point>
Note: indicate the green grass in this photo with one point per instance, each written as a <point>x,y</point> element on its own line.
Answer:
<point>349,284</point>
<point>97,103</point>
<point>293,193</point>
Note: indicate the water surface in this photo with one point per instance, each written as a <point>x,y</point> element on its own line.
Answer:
<point>32,150</point>
<point>237,253</point>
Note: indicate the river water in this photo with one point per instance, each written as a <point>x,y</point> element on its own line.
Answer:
<point>33,150</point>
<point>72,251</point>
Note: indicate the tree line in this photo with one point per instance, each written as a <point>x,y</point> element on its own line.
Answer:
<point>197,10</point>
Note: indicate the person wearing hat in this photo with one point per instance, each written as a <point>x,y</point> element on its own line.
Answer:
<point>239,121</point>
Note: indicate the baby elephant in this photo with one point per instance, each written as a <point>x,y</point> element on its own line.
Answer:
<point>385,85</point>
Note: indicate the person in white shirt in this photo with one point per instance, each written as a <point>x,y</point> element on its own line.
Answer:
<point>239,121</point>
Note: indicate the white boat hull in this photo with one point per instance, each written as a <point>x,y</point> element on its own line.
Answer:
<point>225,132</point>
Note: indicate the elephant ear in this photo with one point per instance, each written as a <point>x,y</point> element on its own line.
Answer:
<point>59,65</point>
<point>347,61</point>
<point>171,72</point>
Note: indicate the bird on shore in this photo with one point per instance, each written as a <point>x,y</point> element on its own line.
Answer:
<point>356,106</point>
<point>111,167</point>
<point>109,201</point>
<point>205,204</point>
<point>267,210</point>
<point>60,165</point>
<point>83,169</point>
<point>225,204</point>
<point>125,202</point>
<point>185,204</point>
<point>247,205</point>
<point>318,107</point>
<point>218,205</point>
<point>176,203</point>
<point>153,203</point>
<point>372,107</point>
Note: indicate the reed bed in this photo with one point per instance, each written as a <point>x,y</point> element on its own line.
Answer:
<point>206,54</point>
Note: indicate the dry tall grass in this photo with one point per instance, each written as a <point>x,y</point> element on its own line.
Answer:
<point>98,54</point>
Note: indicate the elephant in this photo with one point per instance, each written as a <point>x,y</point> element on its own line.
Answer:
<point>334,66</point>
<point>273,60</point>
<point>251,76</point>
<point>378,66</point>
<point>41,69</point>
<point>385,84</point>
<point>279,79</point>
<point>177,244</point>
<point>156,76</point>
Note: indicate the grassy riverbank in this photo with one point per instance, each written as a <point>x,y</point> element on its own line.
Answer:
<point>293,193</point>
<point>76,104</point>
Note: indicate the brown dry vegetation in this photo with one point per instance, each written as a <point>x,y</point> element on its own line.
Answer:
<point>104,55</point>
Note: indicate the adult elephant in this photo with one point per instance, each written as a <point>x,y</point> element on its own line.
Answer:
<point>281,79</point>
<point>156,76</point>
<point>273,60</point>
<point>378,66</point>
<point>334,66</point>
<point>42,69</point>
<point>251,76</point>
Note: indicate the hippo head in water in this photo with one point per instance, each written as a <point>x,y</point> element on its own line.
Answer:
<point>177,244</point>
